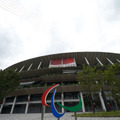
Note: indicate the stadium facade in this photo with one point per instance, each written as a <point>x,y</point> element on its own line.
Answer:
<point>38,74</point>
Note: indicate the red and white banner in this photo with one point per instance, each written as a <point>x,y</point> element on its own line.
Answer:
<point>68,62</point>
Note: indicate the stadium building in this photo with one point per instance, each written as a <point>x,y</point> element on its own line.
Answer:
<point>38,74</point>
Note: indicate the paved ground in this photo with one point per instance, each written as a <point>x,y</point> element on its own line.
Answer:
<point>48,116</point>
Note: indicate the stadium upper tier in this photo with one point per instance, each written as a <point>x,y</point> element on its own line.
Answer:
<point>36,73</point>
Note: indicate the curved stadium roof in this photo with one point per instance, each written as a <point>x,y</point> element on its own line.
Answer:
<point>91,58</point>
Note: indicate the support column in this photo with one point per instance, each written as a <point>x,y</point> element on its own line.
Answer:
<point>43,112</point>
<point>115,104</point>
<point>83,105</point>
<point>2,105</point>
<point>13,105</point>
<point>26,110</point>
<point>102,101</point>
<point>62,98</point>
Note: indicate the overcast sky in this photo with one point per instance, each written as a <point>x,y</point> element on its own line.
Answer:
<point>32,28</point>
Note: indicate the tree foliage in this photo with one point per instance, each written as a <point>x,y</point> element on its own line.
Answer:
<point>92,79</point>
<point>9,81</point>
<point>88,78</point>
<point>112,77</point>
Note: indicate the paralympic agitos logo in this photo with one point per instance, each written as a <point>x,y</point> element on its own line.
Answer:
<point>53,109</point>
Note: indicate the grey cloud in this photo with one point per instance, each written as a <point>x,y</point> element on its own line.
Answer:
<point>10,45</point>
<point>57,45</point>
<point>116,4</point>
<point>116,7</point>
<point>113,10</point>
<point>4,45</point>
<point>78,24</point>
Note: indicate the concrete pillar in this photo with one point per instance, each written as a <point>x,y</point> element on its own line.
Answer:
<point>75,115</point>
<point>62,99</point>
<point>102,101</point>
<point>26,110</point>
<point>43,112</point>
<point>2,105</point>
<point>83,105</point>
<point>13,105</point>
<point>115,104</point>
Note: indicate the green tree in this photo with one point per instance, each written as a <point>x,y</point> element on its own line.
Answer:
<point>93,80</point>
<point>89,79</point>
<point>111,78</point>
<point>9,81</point>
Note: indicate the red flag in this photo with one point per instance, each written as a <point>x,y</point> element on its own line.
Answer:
<point>27,99</point>
<point>2,101</point>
